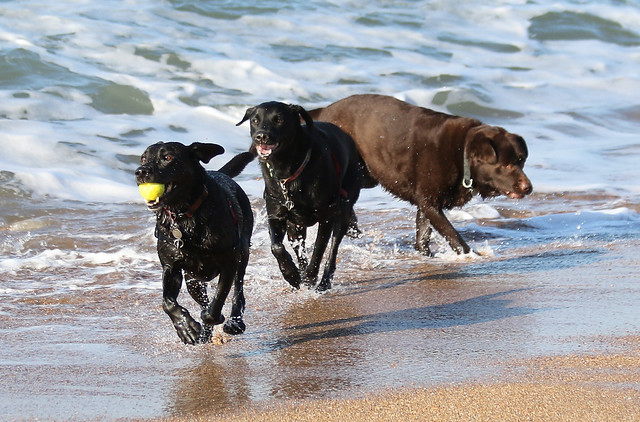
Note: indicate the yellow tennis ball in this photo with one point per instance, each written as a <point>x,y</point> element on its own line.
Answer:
<point>151,191</point>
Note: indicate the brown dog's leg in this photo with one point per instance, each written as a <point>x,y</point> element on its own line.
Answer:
<point>442,225</point>
<point>423,233</point>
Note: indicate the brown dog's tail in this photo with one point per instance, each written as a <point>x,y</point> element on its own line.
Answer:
<point>235,166</point>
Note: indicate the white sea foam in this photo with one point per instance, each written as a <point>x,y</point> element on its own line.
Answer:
<point>86,87</point>
<point>565,77</point>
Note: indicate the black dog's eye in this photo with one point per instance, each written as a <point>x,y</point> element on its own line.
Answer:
<point>168,157</point>
<point>278,120</point>
<point>143,160</point>
<point>255,120</point>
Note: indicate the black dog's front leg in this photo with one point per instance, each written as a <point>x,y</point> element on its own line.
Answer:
<point>187,328</point>
<point>322,240</point>
<point>198,291</point>
<point>213,314</point>
<point>297,236</point>
<point>277,230</point>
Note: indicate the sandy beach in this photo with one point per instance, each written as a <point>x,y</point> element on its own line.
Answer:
<point>602,387</point>
<point>568,388</point>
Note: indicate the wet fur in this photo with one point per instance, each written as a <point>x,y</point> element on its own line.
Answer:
<point>216,237</point>
<point>334,166</point>
<point>417,154</point>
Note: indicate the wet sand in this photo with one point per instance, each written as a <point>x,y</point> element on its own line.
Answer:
<point>567,388</point>
<point>539,332</point>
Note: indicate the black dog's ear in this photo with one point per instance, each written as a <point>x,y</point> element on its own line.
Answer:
<point>247,115</point>
<point>205,152</point>
<point>302,113</point>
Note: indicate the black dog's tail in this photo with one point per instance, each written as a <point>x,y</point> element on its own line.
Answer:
<point>235,166</point>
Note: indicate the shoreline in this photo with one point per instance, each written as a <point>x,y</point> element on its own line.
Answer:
<point>540,331</point>
<point>602,387</point>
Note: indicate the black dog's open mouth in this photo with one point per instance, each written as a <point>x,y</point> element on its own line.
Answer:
<point>154,205</point>
<point>265,150</point>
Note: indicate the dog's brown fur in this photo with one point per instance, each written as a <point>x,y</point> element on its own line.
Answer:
<point>419,155</point>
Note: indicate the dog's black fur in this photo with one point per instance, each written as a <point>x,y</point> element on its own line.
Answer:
<point>200,235</point>
<point>323,192</point>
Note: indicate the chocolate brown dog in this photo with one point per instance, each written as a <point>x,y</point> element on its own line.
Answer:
<point>433,160</point>
<point>311,175</point>
<point>203,225</point>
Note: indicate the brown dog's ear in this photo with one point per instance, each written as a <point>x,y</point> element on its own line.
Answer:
<point>205,152</point>
<point>479,146</point>
<point>303,114</point>
<point>247,115</point>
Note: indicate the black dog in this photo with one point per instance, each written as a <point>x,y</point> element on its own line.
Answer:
<point>312,174</point>
<point>204,224</point>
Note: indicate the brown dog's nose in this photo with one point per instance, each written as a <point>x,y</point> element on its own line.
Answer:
<point>525,186</point>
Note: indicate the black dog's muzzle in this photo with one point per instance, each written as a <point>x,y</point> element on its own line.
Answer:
<point>143,175</point>
<point>264,144</point>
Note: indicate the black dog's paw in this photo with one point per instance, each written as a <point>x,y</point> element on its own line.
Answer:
<point>309,278</point>
<point>188,330</point>
<point>234,326</point>
<point>424,249</point>
<point>309,282</point>
<point>205,334</point>
<point>209,319</point>
<point>353,231</point>
<point>323,286</point>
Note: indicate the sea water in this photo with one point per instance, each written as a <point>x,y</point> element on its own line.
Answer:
<point>85,87</point>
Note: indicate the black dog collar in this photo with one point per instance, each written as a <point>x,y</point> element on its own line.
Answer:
<point>288,203</point>
<point>192,209</point>
<point>297,173</point>
<point>174,228</point>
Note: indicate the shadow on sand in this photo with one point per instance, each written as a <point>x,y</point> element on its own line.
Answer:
<point>484,308</point>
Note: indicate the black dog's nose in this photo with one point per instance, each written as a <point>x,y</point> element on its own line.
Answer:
<point>142,173</point>
<point>261,137</point>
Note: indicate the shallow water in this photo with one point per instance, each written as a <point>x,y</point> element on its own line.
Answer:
<point>86,86</point>
<point>93,338</point>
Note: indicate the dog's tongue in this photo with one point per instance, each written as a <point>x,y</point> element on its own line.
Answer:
<point>265,150</point>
